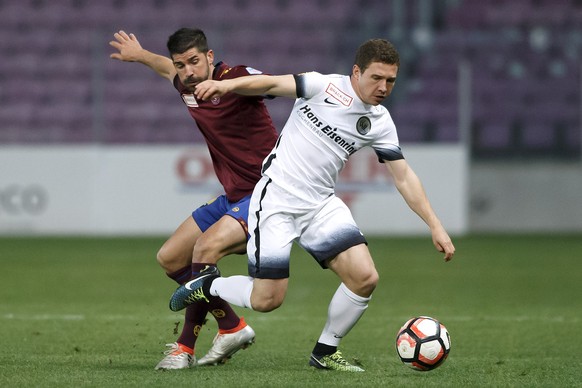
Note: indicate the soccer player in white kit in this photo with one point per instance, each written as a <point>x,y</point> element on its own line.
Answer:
<point>333,117</point>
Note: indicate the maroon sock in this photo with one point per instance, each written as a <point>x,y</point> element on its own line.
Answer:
<point>224,314</point>
<point>195,268</point>
<point>182,275</point>
<point>195,314</point>
<point>193,321</point>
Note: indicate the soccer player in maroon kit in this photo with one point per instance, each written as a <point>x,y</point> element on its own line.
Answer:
<point>240,134</point>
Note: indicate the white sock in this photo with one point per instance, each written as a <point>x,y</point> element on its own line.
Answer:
<point>234,289</point>
<point>345,309</point>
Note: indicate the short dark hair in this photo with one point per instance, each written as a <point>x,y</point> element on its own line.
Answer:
<point>186,38</point>
<point>376,50</point>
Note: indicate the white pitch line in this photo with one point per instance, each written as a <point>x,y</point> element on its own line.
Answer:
<point>44,317</point>
<point>276,317</point>
<point>81,317</point>
<point>552,319</point>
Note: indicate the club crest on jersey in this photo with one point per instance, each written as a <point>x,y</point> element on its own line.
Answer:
<point>190,100</point>
<point>363,125</point>
<point>215,100</point>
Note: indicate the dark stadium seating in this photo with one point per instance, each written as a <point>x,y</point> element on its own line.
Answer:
<point>525,79</point>
<point>58,85</point>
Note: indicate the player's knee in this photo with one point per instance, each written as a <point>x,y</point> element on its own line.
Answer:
<point>163,258</point>
<point>169,261</point>
<point>371,281</point>
<point>265,305</point>
<point>267,300</point>
<point>367,282</point>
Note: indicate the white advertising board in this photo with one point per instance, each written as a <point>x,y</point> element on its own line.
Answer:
<point>148,190</point>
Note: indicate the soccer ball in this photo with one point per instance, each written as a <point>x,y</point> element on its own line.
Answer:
<point>423,343</point>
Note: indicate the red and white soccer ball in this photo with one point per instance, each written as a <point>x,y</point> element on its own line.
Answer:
<point>423,343</point>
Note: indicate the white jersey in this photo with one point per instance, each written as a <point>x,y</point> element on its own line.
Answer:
<point>328,123</point>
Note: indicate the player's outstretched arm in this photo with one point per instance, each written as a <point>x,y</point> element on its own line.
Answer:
<point>130,50</point>
<point>252,85</point>
<point>411,189</point>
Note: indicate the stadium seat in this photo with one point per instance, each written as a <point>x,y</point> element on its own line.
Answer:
<point>56,53</point>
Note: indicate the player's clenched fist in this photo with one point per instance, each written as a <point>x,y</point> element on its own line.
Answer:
<point>209,89</point>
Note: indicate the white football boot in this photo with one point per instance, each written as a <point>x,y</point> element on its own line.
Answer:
<point>177,357</point>
<point>225,345</point>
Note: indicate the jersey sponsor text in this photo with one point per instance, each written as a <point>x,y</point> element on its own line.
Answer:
<point>325,130</point>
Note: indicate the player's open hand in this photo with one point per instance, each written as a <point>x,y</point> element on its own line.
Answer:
<point>129,48</point>
<point>209,89</point>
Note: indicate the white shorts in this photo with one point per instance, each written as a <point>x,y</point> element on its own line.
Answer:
<point>277,218</point>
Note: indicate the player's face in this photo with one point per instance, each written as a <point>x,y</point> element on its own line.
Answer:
<point>375,83</point>
<point>193,67</point>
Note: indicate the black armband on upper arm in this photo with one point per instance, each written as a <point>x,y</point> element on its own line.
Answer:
<point>299,85</point>
<point>389,154</point>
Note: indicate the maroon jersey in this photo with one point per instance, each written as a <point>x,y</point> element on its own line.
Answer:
<point>238,130</point>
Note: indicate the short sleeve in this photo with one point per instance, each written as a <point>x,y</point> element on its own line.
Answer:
<point>309,84</point>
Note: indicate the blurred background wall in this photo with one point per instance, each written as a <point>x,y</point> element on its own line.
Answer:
<point>499,78</point>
